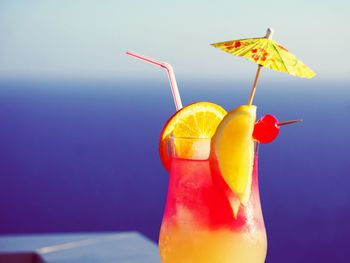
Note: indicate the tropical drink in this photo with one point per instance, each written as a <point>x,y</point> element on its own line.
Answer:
<point>199,224</point>
<point>205,221</point>
<point>213,212</point>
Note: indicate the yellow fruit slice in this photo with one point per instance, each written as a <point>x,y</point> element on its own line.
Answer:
<point>197,120</point>
<point>233,147</point>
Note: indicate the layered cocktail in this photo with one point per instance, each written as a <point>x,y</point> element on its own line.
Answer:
<point>213,211</point>
<point>199,224</point>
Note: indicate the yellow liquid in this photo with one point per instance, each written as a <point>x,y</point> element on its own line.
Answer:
<point>216,246</point>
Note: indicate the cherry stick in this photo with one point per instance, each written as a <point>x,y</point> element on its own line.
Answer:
<point>288,122</point>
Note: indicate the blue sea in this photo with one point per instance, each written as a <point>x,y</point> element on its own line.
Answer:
<point>79,156</point>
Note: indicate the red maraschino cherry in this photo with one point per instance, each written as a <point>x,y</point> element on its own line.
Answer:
<point>267,128</point>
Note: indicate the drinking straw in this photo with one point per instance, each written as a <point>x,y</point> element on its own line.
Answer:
<point>170,72</point>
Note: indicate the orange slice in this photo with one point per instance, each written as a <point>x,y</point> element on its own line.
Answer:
<point>233,147</point>
<point>197,120</point>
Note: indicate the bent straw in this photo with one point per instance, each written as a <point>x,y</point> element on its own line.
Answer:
<point>171,76</point>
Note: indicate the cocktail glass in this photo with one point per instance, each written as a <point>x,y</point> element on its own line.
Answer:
<point>203,221</point>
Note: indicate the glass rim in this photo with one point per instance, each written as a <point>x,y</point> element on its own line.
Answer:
<point>172,137</point>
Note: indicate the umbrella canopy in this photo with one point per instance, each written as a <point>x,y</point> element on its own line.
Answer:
<point>266,53</point>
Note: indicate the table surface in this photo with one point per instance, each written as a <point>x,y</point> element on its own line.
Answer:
<point>106,247</point>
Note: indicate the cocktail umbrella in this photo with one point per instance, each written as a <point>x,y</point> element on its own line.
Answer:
<point>268,53</point>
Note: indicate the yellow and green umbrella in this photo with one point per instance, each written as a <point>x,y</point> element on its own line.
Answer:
<point>268,53</point>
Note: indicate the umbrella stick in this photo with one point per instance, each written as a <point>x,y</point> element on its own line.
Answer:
<point>252,93</point>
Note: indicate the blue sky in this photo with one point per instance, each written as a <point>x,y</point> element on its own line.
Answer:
<point>87,39</point>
